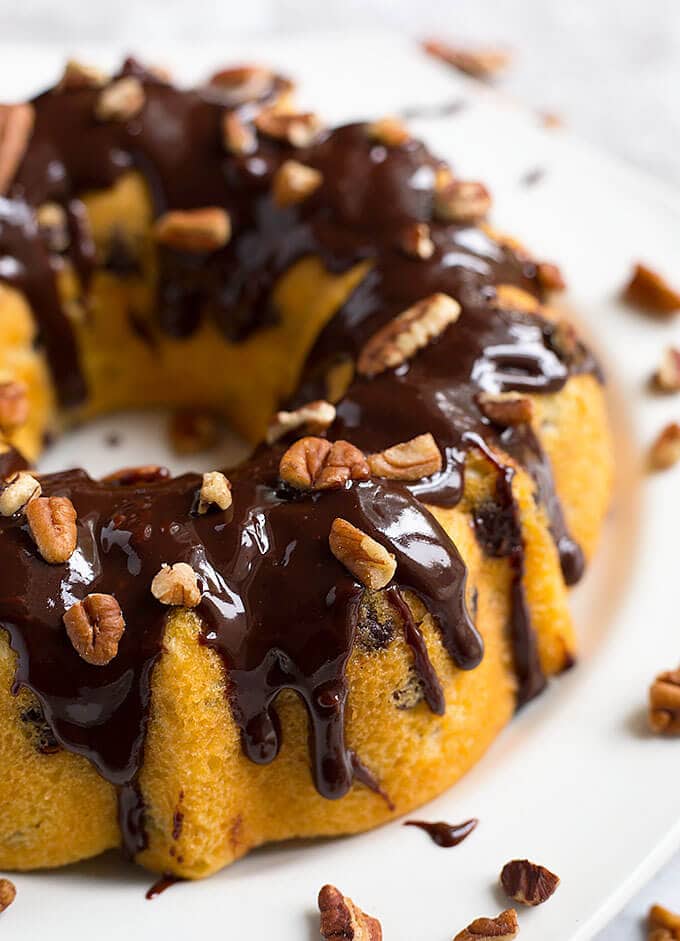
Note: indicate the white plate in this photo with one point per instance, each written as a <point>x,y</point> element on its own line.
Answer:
<point>575,782</point>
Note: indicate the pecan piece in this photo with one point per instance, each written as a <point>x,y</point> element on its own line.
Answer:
<point>527,882</point>
<point>194,230</point>
<point>52,521</point>
<point>389,131</point>
<point>510,297</point>
<point>237,136</point>
<point>342,920</point>
<point>406,334</point>
<point>503,927</point>
<point>16,125</point>
<point>662,924</point>
<point>462,201</point>
<point>294,182</point>
<point>416,242</point>
<point>53,226</point>
<point>298,130</point>
<point>316,464</point>
<point>17,492</point>
<point>215,492</point>
<point>77,75</point>
<point>365,558</point>
<point>8,893</point>
<point>95,626</point>
<point>314,418</point>
<point>664,703</point>
<point>410,460</point>
<point>14,405</point>
<point>143,474</point>
<point>192,430</point>
<point>176,585</point>
<point>243,83</point>
<point>550,277</point>
<point>667,376</point>
<point>665,451</point>
<point>121,101</point>
<point>649,290</point>
<point>506,408</point>
<point>478,63</point>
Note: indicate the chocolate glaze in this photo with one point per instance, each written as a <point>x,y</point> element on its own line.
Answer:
<point>166,881</point>
<point>272,544</point>
<point>445,834</point>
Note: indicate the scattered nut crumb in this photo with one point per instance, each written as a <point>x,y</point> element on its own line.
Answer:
<point>16,125</point>
<point>662,924</point>
<point>314,418</point>
<point>665,451</point>
<point>478,63</point>
<point>8,893</point>
<point>121,101</point>
<point>17,492</point>
<point>410,460</point>
<point>527,882</point>
<point>664,703</point>
<point>294,182</point>
<point>365,558</point>
<point>176,585</point>
<point>549,276</point>
<point>502,928</point>
<point>192,430</point>
<point>52,521</point>
<point>550,119</point>
<point>667,376</point>
<point>506,408</point>
<point>95,626</point>
<point>317,464</point>
<point>650,291</point>
<point>215,492</point>
<point>342,920</point>
<point>197,231</point>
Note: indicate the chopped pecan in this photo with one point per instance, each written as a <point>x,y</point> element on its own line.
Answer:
<point>52,521</point>
<point>238,137</point>
<point>194,230</point>
<point>550,119</point>
<point>144,474</point>
<point>316,464</point>
<point>416,242</point>
<point>77,75</point>
<point>8,893</point>
<point>502,928</point>
<point>389,131</point>
<point>243,83</point>
<point>528,882</point>
<point>365,558</point>
<point>510,297</point>
<point>342,920</point>
<point>664,703</point>
<point>667,376</point>
<point>215,492</point>
<point>405,335</point>
<point>16,125</point>
<point>122,100</point>
<point>176,585</point>
<point>662,924</point>
<point>17,492</point>
<point>550,277</point>
<point>191,430</point>
<point>563,340</point>
<point>462,201</point>
<point>294,182</point>
<point>665,451</point>
<point>410,460</point>
<point>649,290</point>
<point>53,226</point>
<point>506,408</point>
<point>478,63</point>
<point>95,626</point>
<point>314,418</point>
<point>14,404</point>
<point>298,130</point>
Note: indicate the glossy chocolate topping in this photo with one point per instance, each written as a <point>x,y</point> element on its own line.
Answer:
<point>445,834</point>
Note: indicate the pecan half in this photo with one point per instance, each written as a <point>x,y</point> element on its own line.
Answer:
<point>506,408</point>
<point>503,927</point>
<point>95,626</point>
<point>463,201</point>
<point>16,125</point>
<point>410,460</point>
<point>14,405</point>
<point>406,334</point>
<point>665,451</point>
<point>667,376</point>
<point>649,290</point>
<point>243,83</point>
<point>8,893</point>
<point>17,492</point>
<point>316,464</point>
<point>294,182</point>
<point>342,920</point>
<point>121,101</point>
<point>298,130</point>
<point>478,63</point>
<point>53,226</point>
<point>389,131</point>
<point>192,430</point>
<point>215,492</point>
<point>78,75</point>
<point>664,703</point>
<point>550,277</point>
<point>416,242</point>
<point>52,521</point>
<point>365,558</point>
<point>314,418</point>
<point>176,585</point>
<point>528,882</point>
<point>194,230</point>
<point>662,924</point>
<point>238,137</point>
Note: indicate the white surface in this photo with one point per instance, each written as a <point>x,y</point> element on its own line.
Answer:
<point>575,782</point>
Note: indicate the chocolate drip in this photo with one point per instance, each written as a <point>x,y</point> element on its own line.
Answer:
<point>445,834</point>
<point>432,689</point>
<point>166,881</point>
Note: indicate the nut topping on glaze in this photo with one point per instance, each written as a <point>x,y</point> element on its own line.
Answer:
<point>197,231</point>
<point>667,376</point>
<point>52,521</point>
<point>121,101</point>
<point>53,225</point>
<point>294,182</point>
<point>14,404</point>
<point>298,130</point>
<point>649,291</point>
<point>510,297</point>
<point>462,201</point>
<point>176,585</point>
<point>237,136</point>
<point>662,924</point>
<point>550,277</point>
<point>506,408</point>
<point>389,131</point>
<point>415,241</point>
<point>142,474</point>
<point>316,464</point>
<point>16,124</point>
<point>665,451</point>
<point>17,492</point>
<point>528,883</point>
<point>244,83</point>
<point>78,75</point>
<point>95,626</point>
<point>342,920</point>
<point>215,492</point>
<point>411,460</point>
<point>401,338</point>
<point>8,893</point>
<point>502,928</point>
<point>664,703</point>
<point>314,418</point>
<point>365,558</point>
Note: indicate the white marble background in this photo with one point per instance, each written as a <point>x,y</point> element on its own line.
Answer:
<point>609,68</point>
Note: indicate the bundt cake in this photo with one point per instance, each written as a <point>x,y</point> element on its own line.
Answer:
<point>333,632</point>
